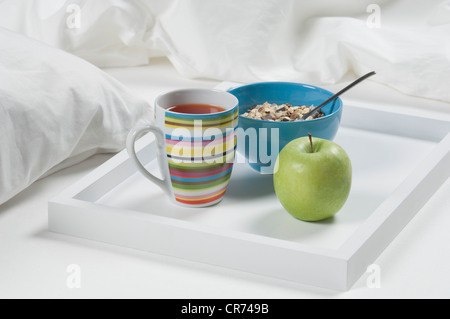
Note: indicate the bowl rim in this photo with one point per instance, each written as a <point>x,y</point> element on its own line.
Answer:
<point>340,106</point>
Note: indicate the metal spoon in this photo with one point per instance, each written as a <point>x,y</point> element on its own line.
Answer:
<point>317,108</point>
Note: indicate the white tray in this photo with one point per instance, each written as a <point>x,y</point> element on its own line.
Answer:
<point>399,161</point>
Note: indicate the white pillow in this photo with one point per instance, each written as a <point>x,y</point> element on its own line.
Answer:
<point>56,110</point>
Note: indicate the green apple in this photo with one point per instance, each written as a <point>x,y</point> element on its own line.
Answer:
<point>312,178</point>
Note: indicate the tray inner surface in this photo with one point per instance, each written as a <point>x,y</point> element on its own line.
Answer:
<point>380,163</point>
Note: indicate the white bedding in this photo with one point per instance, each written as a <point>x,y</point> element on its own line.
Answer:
<point>56,110</point>
<point>319,42</point>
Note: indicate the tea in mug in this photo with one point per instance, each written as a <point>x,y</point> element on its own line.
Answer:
<point>196,109</point>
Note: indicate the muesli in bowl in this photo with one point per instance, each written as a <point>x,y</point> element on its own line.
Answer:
<point>281,113</point>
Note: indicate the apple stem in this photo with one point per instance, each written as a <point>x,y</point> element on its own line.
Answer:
<point>311,142</point>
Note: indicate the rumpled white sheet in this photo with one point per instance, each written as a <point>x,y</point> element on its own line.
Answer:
<point>308,41</point>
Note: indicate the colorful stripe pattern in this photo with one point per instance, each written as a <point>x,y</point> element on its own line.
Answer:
<point>200,151</point>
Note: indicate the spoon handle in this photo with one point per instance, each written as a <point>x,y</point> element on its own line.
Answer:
<point>317,108</point>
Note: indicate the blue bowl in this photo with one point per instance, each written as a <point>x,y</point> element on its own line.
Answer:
<point>261,141</point>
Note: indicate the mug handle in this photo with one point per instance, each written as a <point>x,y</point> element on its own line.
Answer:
<point>137,132</point>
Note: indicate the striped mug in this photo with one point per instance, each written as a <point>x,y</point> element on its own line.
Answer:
<point>195,152</point>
